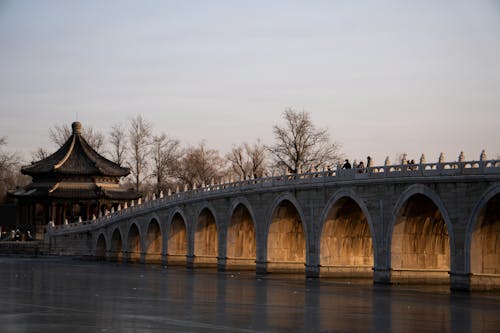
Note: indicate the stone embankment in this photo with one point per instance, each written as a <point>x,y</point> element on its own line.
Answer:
<point>23,249</point>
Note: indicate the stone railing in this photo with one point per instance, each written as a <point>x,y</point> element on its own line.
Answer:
<point>484,167</point>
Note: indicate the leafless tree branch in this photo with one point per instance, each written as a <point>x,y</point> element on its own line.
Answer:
<point>300,145</point>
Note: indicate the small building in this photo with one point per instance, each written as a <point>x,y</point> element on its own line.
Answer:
<point>74,183</point>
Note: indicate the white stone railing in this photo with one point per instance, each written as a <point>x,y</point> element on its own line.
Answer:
<point>488,167</point>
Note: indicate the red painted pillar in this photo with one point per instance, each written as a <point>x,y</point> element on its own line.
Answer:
<point>53,213</point>
<point>63,217</point>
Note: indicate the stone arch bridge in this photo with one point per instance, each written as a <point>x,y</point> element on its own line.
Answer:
<point>435,222</point>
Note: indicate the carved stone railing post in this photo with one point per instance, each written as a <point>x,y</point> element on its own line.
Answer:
<point>461,157</point>
<point>404,160</point>
<point>483,157</point>
<point>441,158</point>
<point>422,159</point>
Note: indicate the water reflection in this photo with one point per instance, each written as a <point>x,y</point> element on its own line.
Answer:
<point>62,295</point>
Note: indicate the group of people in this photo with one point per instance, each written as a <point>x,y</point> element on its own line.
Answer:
<point>411,164</point>
<point>360,165</point>
<point>16,236</point>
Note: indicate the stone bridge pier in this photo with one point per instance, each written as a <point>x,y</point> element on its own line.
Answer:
<point>431,223</point>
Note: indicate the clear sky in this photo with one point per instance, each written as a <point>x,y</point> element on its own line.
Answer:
<point>383,76</point>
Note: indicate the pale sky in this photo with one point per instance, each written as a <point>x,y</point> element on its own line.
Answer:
<point>383,76</point>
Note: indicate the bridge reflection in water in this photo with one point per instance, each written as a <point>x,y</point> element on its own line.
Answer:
<point>72,296</point>
<point>426,223</point>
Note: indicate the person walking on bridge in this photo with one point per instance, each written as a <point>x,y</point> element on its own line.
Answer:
<point>346,165</point>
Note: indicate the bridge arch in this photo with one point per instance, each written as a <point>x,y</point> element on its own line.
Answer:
<point>420,237</point>
<point>287,240</point>
<point>116,247</point>
<point>482,244</point>
<point>133,243</point>
<point>154,240</point>
<point>101,247</point>
<point>347,238</point>
<point>177,238</point>
<point>241,248</point>
<point>206,236</point>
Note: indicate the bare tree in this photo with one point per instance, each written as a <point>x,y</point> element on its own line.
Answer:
<point>59,134</point>
<point>8,160</point>
<point>201,165</point>
<point>39,154</point>
<point>238,161</point>
<point>139,137</point>
<point>257,157</point>
<point>400,158</point>
<point>248,160</point>
<point>118,141</point>
<point>165,152</point>
<point>94,139</point>
<point>300,145</point>
<point>10,164</point>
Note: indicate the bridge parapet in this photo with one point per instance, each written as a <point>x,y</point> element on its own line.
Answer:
<point>393,172</point>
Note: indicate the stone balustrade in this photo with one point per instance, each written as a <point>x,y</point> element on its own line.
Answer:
<point>396,171</point>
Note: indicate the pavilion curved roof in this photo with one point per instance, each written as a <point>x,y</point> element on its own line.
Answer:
<point>76,157</point>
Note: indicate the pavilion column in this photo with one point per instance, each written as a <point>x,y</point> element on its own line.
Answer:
<point>87,216</point>
<point>46,213</point>
<point>92,210</point>
<point>26,217</point>
<point>58,213</point>
<point>20,217</point>
<point>63,217</point>
<point>32,214</point>
<point>35,213</point>
<point>61,213</point>
<point>53,213</point>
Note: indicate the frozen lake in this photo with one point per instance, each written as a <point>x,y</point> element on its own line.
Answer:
<point>63,295</point>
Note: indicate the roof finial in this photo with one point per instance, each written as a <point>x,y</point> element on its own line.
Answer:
<point>77,127</point>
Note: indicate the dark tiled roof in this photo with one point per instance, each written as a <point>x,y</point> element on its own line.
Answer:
<point>121,194</point>
<point>76,157</point>
<point>65,191</point>
<point>33,190</point>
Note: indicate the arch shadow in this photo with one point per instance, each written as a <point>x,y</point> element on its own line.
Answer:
<point>177,238</point>
<point>116,245</point>
<point>420,189</point>
<point>153,240</point>
<point>480,280</point>
<point>243,260</point>
<point>206,253</point>
<point>101,247</point>
<point>332,201</point>
<point>134,245</point>
<point>269,220</point>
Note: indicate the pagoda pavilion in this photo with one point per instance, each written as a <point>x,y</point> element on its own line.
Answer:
<point>73,184</point>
